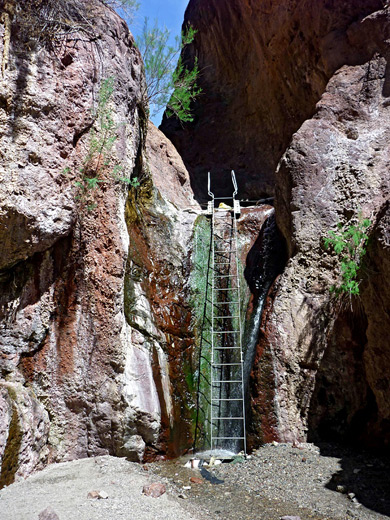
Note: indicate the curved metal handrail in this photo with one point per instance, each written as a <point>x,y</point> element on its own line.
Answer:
<point>208,187</point>
<point>234,184</point>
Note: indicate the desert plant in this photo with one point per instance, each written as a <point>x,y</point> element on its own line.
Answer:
<point>99,158</point>
<point>168,82</point>
<point>49,22</point>
<point>349,243</point>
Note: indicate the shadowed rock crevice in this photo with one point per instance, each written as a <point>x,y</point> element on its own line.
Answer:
<point>294,100</point>
<point>10,458</point>
<point>263,67</point>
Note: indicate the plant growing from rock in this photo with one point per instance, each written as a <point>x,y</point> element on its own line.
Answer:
<point>99,159</point>
<point>349,243</point>
<point>49,22</point>
<point>168,84</point>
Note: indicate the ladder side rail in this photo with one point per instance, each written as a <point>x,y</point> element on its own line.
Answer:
<point>211,194</point>
<point>212,316</point>
<point>234,184</point>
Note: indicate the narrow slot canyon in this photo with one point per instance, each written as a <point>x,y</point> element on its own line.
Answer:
<point>108,281</point>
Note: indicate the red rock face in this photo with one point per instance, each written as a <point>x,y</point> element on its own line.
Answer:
<point>263,66</point>
<point>319,69</point>
<point>62,267</point>
<point>333,169</point>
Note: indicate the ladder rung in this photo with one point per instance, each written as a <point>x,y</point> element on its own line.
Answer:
<point>228,381</point>
<point>226,289</point>
<point>237,438</point>
<point>224,418</point>
<point>225,399</point>
<point>225,317</point>
<point>226,331</point>
<point>226,364</point>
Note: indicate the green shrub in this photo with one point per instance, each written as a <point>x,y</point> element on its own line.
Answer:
<point>168,82</point>
<point>349,243</point>
<point>99,159</point>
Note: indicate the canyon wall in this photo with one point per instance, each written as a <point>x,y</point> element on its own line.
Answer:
<point>102,281</point>
<point>263,66</point>
<point>295,99</point>
<point>93,319</point>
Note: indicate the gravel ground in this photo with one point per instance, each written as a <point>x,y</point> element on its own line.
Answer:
<point>309,482</point>
<point>64,487</point>
<point>321,483</point>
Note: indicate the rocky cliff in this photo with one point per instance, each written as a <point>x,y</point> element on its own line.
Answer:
<point>103,280</point>
<point>92,318</point>
<point>295,98</point>
<point>263,67</point>
<point>62,334</point>
<point>99,302</point>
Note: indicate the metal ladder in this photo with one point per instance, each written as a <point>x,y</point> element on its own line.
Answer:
<point>227,405</point>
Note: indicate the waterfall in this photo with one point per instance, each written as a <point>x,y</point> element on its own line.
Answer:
<point>264,262</point>
<point>267,261</point>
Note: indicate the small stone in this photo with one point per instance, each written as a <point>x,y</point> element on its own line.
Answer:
<point>103,495</point>
<point>182,495</point>
<point>274,443</point>
<point>186,487</point>
<point>341,489</point>
<point>154,490</point>
<point>290,518</point>
<point>196,480</point>
<point>48,514</point>
<point>303,459</point>
<point>356,471</point>
<point>351,495</point>
<point>93,494</point>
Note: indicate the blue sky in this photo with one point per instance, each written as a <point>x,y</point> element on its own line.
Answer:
<point>169,13</point>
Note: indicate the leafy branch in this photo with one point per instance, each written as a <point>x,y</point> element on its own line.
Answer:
<point>349,243</point>
<point>168,82</point>
<point>99,155</point>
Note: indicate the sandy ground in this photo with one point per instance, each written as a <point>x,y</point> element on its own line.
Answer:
<point>64,487</point>
<point>306,482</point>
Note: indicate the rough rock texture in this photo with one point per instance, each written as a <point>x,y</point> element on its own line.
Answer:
<point>320,69</point>
<point>335,167</point>
<point>24,428</point>
<point>62,331</point>
<point>96,312</point>
<point>160,218</point>
<point>263,66</point>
